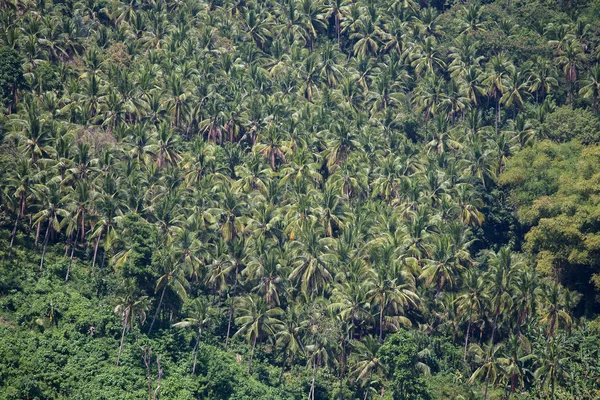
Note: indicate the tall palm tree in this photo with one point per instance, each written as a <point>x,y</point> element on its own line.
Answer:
<point>173,277</point>
<point>52,213</point>
<point>256,320</point>
<point>366,363</point>
<point>553,363</point>
<point>496,81</point>
<point>591,88</point>
<point>490,367</point>
<point>472,302</point>
<point>200,311</point>
<point>311,266</point>
<point>571,57</point>
<point>22,184</point>
<point>130,307</point>
<point>392,289</point>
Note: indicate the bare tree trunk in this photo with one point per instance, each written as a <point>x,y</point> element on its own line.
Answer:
<point>71,259</point>
<point>45,244</point>
<point>231,307</point>
<point>487,382</point>
<point>123,335</point>
<point>252,353</point>
<point>147,357</point>
<point>37,236</point>
<point>160,374</point>
<point>467,337</point>
<point>283,364</point>
<point>96,249</point>
<point>311,393</point>
<point>13,234</point>
<point>497,115</point>
<point>381,324</point>
<point>196,348</point>
<point>157,308</point>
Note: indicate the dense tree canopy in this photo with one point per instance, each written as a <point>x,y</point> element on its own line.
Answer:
<point>322,199</point>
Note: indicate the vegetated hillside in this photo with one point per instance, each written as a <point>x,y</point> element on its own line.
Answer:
<point>322,199</point>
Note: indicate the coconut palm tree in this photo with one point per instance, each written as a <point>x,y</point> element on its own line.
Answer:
<point>591,88</point>
<point>200,312</point>
<point>130,307</point>
<point>256,321</point>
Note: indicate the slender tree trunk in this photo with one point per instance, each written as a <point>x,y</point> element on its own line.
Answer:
<point>160,374</point>
<point>162,295</point>
<point>467,338</point>
<point>337,28</point>
<point>37,236</point>
<point>487,382</point>
<point>73,245</point>
<point>497,115</point>
<point>231,307</point>
<point>13,234</point>
<point>381,324</point>
<point>96,249</point>
<point>122,335</point>
<point>196,348</point>
<point>311,393</point>
<point>494,327</point>
<point>45,244</point>
<point>252,353</point>
<point>283,364</point>
<point>342,368</point>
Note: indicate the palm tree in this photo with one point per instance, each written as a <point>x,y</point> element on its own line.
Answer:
<point>517,354</point>
<point>591,89</point>
<point>571,58</point>
<point>446,262</point>
<point>53,213</point>
<point>290,338</point>
<point>472,302</point>
<point>555,308</point>
<point>311,266</point>
<point>335,10</point>
<point>200,311</point>
<point>553,362</point>
<point>257,320</point>
<point>366,363</point>
<point>496,81</point>
<point>22,184</point>
<point>173,276</point>
<point>350,301</point>
<point>503,265</point>
<point>516,90</point>
<point>130,307</point>
<point>490,367</point>
<point>392,288</point>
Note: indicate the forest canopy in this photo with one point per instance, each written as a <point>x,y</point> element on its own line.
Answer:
<point>291,199</point>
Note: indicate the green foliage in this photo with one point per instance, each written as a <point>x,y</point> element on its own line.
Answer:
<point>566,124</point>
<point>307,198</point>
<point>399,354</point>
<point>558,201</point>
<point>11,75</point>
